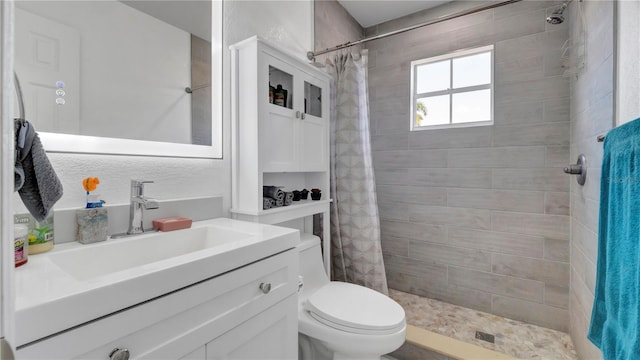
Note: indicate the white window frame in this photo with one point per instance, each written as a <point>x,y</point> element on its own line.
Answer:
<point>450,91</point>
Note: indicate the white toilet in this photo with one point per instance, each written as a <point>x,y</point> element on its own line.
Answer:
<point>338,320</point>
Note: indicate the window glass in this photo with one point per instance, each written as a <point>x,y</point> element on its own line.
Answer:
<point>432,110</point>
<point>433,77</point>
<point>471,106</point>
<point>472,70</point>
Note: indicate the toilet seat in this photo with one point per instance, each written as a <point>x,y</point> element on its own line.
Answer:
<point>355,309</point>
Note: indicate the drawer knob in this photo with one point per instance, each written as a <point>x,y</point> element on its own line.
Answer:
<point>119,354</point>
<point>265,287</point>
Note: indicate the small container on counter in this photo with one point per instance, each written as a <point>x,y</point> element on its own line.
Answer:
<point>41,233</point>
<point>93,225</point>
<point>21,244</point>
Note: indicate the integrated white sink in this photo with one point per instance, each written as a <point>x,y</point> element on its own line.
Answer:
<point>76,283</point>
<point>87,262</point>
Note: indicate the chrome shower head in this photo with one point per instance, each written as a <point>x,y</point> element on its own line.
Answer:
<point>557,17</point>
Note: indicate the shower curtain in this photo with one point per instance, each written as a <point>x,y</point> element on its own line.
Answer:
<point>355,225</point>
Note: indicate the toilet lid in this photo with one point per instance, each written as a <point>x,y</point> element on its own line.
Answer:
<point>355,308</point>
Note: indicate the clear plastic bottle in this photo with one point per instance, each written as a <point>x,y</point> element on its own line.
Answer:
<point>21,244</point>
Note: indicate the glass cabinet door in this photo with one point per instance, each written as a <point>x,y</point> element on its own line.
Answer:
<point>312,99</point>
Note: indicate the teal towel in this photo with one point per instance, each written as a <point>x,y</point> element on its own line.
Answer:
<point>615,319</point>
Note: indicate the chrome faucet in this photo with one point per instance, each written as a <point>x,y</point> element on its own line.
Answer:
<point>137,202</point>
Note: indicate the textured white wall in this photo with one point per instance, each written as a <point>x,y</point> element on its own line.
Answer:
<point>287,23</point>
<point>628,61</point>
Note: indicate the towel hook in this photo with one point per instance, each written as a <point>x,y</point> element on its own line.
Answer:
<point>579,169</point>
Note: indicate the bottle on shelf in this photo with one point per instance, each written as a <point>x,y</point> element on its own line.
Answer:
<point>272,92</point>
<point>280,96</point>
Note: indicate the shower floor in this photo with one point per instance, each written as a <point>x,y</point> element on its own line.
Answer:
<point>514,338</point>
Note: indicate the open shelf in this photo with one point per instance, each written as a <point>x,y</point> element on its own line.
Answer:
<point>296,210</point>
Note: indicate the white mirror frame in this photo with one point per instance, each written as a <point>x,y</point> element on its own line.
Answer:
<point>55,142</point>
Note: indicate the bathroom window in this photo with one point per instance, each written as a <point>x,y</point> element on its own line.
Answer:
<point>452,90</point>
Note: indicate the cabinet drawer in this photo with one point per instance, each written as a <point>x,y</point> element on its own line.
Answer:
<point>173,325</point>
<point>270,335</point>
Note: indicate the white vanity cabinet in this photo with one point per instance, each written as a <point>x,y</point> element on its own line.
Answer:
<point>247,313</point>
<point>275,141</point>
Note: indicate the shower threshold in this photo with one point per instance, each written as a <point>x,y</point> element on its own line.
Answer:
<point>439,330</point>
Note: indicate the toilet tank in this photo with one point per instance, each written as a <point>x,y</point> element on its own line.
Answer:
<point>311,266</point>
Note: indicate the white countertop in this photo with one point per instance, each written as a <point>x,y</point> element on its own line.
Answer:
<point>50,299</point>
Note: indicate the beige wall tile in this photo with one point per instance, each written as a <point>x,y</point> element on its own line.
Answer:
<point>398,159</point>
<point>438,288</point>
<point>416,267</point>
<point>585,240</point>
<point>553,226</point>
<point>541,89</point>
<point>507,243</point>
<point>506,200</point>
<point>519,112</point>
<point>539,134</point>
<point>556,250</point>
<point>391,177</point>
<point>412,194</point>
<point>497,157</point>
<point>451,138</point>
<point>394,246</point>
<point>541,179</point>
<point>578,330</point>
<point>413,231</point>
<point>448,255</point>
<point>390,142</point>
<point>535,313</point>
<point>557,156</point>
<point>464,178</point>
<point>557,296</point>
<point>549,272</point>
<point>441,215</point>
<point>497,284</point>
<point>393,210</point>
<point>556,203</point>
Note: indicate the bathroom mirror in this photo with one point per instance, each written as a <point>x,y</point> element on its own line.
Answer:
<point>139,77</point>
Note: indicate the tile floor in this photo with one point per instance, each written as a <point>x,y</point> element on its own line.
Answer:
<point>515,338</point>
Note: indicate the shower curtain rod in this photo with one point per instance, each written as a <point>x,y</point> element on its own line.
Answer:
<point>311,55</point>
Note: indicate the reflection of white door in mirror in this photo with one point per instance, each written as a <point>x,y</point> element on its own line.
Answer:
<point>133,61</point>
<point>47,51</point>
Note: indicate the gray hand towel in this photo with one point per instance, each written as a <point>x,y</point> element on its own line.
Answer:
<point>288,198</point>
<point>267,203</point>
<point>36,181</point>
<point>273,192</point>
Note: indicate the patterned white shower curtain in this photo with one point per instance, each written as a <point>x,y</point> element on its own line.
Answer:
<point>355,225</point>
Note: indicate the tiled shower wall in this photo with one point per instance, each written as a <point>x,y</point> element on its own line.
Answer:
<point>592,104</point>
<point>478,216</point>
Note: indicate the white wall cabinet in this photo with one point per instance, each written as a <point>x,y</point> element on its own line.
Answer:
<point>229,316</point>
<point>280,144</point>
<point>293,137</point>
